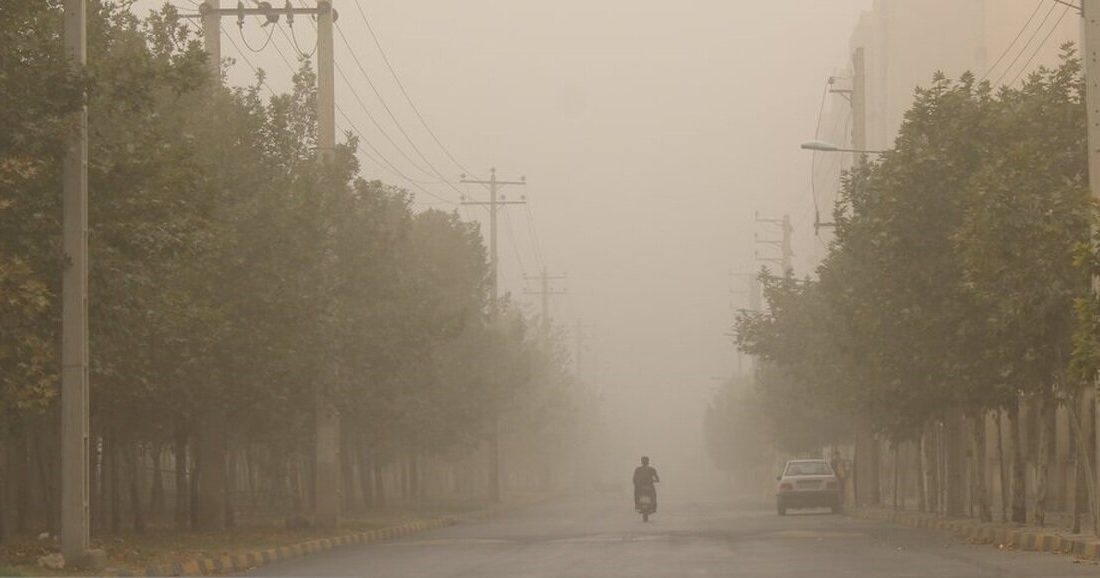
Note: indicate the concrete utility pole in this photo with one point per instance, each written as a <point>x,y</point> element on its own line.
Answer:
<point>859,101</point>
<point>327,478</point>
<point>494,203</point>
<point>545,292</point>
<point>783,244</point>
<point>327,419</point>
<point>1090,32</point>
<point>75,515</point>
<point>867,448</point>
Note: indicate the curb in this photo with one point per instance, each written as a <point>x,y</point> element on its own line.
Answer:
<point>241,562</point>
<point>1028,539</point>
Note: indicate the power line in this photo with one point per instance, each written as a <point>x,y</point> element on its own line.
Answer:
<point>270,35</point>
<point>405,93</point>
<point>534,234</point>
<point>1019,35</point>
<point>386,106</point>
<point>515,247</point>
<point>1034,35</point>
<point>347,119</point>
<point>244,57</point>
<point>1039,48</point>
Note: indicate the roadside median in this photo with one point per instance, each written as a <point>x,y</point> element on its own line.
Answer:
<point>244,561</point>
<point>1003,536</point>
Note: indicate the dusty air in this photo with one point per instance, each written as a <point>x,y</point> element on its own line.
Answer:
<point>494,289</point>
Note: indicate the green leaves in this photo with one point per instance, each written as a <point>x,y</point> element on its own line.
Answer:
<point>953,278</point>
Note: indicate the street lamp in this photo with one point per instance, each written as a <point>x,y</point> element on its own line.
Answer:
<point>828,147</point>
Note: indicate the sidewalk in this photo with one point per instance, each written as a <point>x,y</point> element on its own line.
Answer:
<point>1048,539</point>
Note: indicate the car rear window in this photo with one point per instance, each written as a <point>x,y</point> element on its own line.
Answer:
<point>808,469</point>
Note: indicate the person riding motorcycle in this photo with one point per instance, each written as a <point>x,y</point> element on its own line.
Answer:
<point>645,477</point>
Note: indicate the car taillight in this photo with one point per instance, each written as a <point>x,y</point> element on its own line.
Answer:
<point>830,485</point>
<point>785,486</point>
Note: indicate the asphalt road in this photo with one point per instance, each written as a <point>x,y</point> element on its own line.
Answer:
<point>600,536</point>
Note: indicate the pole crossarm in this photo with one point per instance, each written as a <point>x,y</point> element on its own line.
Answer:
<point>206,9</point>
<point>472,182</point>
<point>493,203</point>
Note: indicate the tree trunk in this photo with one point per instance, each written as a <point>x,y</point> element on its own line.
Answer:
<point>1082,424</point>
<point>5,482</point>
<point>955,446</point>
<point>1019,478</point>
<point>111,482</point>
<point>211,457</point>
<point>1042,467</point>
<point>379,487</point>
<point>366,473</point>
<point>95,467</point>
<point>193,486</point>
<point>981,491</point>
<point>49,475</point>
<point>922,472</point>
<point>867,468</point>
<point>136,511</point>
<point>1080,493</point>
<point>1002,463</point>
<point>897,478</point>
<point>183,487</point>
<point>932,462</point>
<point>347,471</point>
<point>156,493</point>
<point>230,480</point>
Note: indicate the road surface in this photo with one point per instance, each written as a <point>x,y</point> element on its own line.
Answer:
<point>600,537</point>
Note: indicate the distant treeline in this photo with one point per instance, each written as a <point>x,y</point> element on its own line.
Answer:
<point>234,280</point>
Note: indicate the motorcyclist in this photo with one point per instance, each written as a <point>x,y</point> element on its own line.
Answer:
<point>645,477</point>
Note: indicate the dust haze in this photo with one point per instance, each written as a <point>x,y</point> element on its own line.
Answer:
<point>650,134</point>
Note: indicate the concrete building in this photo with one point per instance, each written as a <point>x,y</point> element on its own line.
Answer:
<point>906,42</point>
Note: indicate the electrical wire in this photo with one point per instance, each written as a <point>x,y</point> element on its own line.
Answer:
<point>534,234</point>
<point>270,35</point>
<point>389,112</point>
<point>348,120</point>
<point>1019,35</point>
<point>244,57</point>
<point>302,53</point>
<point>405,93</point>
<point>1040,47</point>
<point>512,242</point>
<point>1030,40</point>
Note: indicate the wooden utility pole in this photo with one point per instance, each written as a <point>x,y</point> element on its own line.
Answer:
<point>785,260</point>
<point>75,518</point>
<point>545,292</point>
<point>496,200</point>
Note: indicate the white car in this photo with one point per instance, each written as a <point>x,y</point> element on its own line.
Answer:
<point>807,484</point>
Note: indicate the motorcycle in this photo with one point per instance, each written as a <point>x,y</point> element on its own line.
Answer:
<point>646,505</point>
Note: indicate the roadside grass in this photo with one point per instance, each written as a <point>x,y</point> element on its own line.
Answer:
<point>132,552</point>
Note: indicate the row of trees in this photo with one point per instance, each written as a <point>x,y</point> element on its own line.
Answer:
<point>957,287</point>
<point>234,279</point>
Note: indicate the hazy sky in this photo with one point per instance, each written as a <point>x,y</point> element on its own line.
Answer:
<point>650,132</point>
